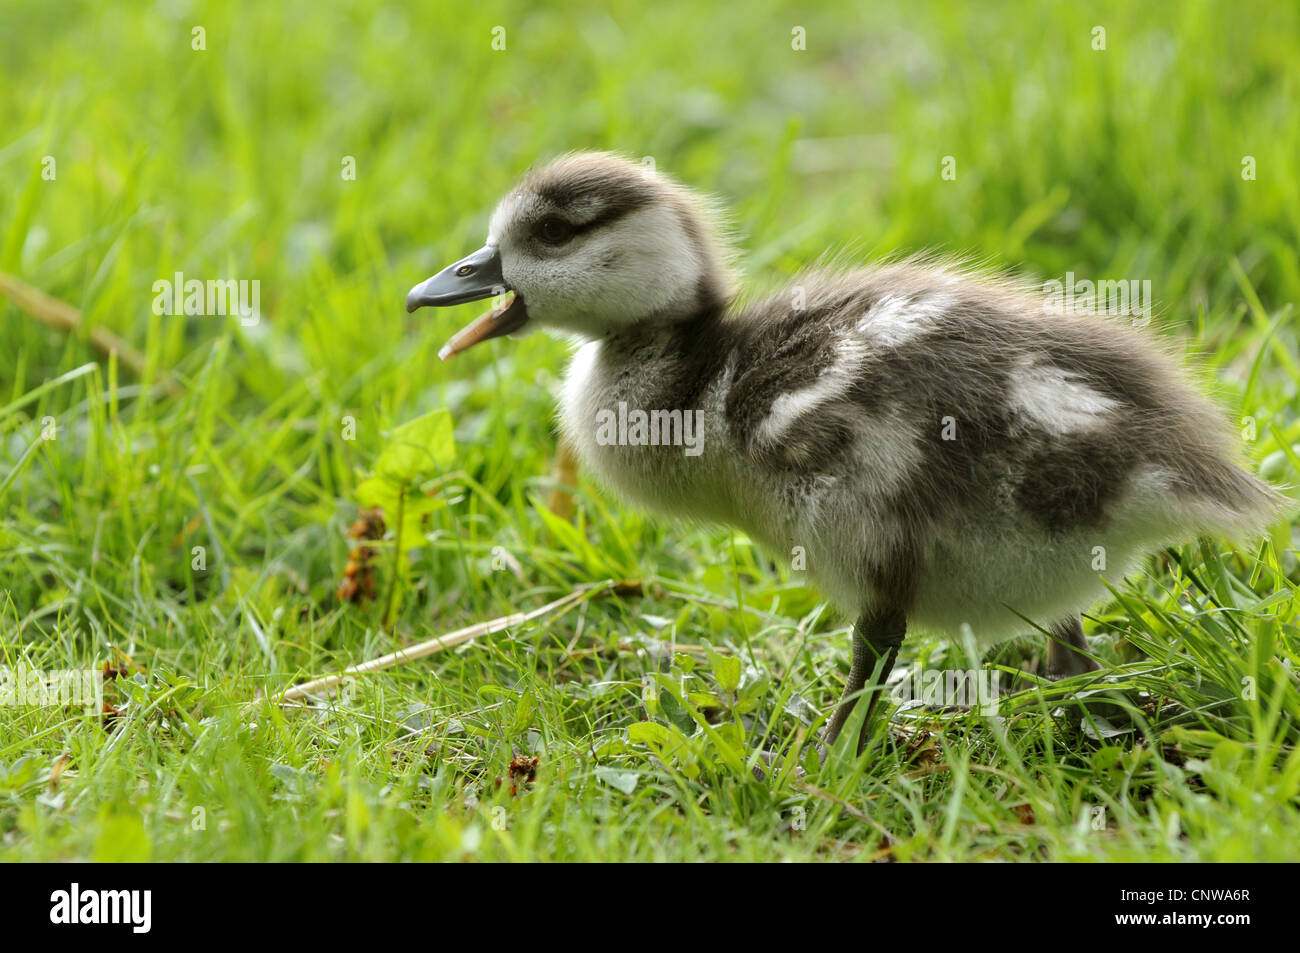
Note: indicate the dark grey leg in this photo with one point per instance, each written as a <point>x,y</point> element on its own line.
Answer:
<point>1067,650</point>
<point>876,637</point>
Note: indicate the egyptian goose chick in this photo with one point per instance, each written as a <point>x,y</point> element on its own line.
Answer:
<point>944,450</point>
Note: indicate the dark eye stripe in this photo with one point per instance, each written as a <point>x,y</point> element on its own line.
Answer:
<point>607,216</point>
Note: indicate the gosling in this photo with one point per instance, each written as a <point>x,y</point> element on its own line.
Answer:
<point>941,448</point>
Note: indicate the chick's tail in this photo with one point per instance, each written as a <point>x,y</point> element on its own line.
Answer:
<point>1234,503</point>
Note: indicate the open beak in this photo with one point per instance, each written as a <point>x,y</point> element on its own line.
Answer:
<point>473,278</point>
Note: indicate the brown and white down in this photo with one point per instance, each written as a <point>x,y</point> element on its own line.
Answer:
<point>945,451</point>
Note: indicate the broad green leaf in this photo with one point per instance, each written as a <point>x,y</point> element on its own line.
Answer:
<point>392,498</point>
<point>417,507</point>
<point>675,712</point>
<point>624,781</point>
<point>648,733</point>
<point>726,669</point>
<point>525,711</point>
<point>380,492</point>
<point>419,447</point>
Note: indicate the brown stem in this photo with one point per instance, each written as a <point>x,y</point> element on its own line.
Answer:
<point>64,317</point>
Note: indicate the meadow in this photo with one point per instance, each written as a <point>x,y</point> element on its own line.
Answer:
<point>177,490</point>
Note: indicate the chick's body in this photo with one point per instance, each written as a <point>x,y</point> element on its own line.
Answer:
<point>922,438</point>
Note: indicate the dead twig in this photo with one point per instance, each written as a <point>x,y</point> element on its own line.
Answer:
<point>437,644</point>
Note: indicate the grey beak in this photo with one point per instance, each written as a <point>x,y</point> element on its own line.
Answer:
<point>473,278</point>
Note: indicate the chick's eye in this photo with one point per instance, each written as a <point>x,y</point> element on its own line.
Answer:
<point>554,231</point>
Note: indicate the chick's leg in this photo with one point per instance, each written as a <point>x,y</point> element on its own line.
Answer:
<point>876,640</point>
<point>1067,650</point>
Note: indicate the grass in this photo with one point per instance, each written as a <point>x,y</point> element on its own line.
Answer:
<point>227,162</point>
